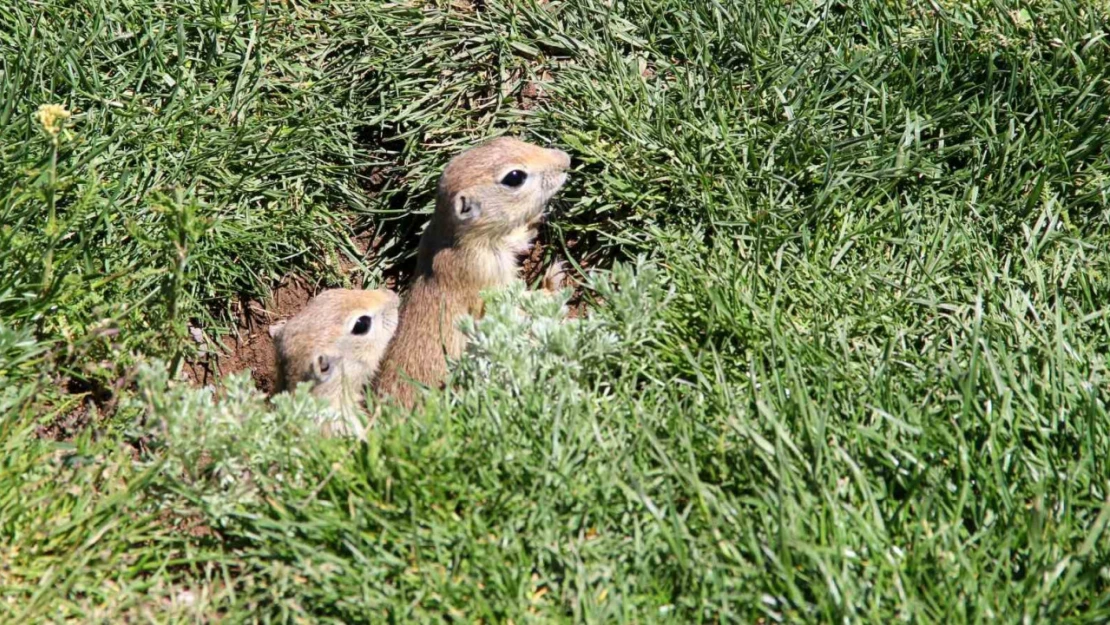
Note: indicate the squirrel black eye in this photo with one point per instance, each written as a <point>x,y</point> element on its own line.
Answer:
<point>514,178</point>
<point>362,325</point>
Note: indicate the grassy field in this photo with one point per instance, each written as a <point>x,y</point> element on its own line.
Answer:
<point>846,269</point>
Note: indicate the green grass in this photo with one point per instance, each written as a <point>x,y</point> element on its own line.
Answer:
<point>859,372</point>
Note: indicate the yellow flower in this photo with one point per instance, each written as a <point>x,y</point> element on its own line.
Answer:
<point>52,117</point>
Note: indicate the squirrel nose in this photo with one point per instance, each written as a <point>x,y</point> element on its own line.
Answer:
<point>562,158</point>
<point>559,158</point>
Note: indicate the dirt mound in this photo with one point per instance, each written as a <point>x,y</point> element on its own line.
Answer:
<point>250,346</point>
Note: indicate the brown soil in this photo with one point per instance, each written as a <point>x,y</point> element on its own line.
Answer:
<point>363,242</point>
<point>533,92</point>
<point>93,399</point>
<point>534,264</point>
<point>250,346</point>
<point>68,424</point>
<point>191,523</point>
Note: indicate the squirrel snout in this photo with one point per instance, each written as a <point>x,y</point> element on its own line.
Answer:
<point>562,159</point>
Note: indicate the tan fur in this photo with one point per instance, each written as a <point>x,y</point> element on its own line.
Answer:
<point>473,242</point>
<point>318,345</point>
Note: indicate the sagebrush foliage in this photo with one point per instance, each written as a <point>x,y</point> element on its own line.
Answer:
<point>525,343</point>
<point>228,448</point>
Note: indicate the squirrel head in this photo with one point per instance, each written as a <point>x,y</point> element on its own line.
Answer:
<point>489,191</point>
<point>336,343</point>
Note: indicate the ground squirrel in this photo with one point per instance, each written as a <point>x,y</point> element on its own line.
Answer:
<point>336,342</point>
<point>489,200</point>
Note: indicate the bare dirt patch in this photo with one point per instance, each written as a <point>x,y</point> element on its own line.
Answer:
<point>68,424</point>
<point>92,401</point>
<point>533,92</point>
<point>250,347</point>
<point>537,260</point>
<point>364,243</point>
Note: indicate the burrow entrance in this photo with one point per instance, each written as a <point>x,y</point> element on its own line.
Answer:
<point>249,346</point>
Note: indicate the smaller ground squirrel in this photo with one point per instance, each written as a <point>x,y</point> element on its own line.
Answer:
<point>489,200</point>
<point>336,342</point>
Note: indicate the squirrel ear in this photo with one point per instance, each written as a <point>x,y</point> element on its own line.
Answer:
<point>276,328</point>
<point>467,208</point>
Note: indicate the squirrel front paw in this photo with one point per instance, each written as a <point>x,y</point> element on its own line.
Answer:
<point>555,278</point>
